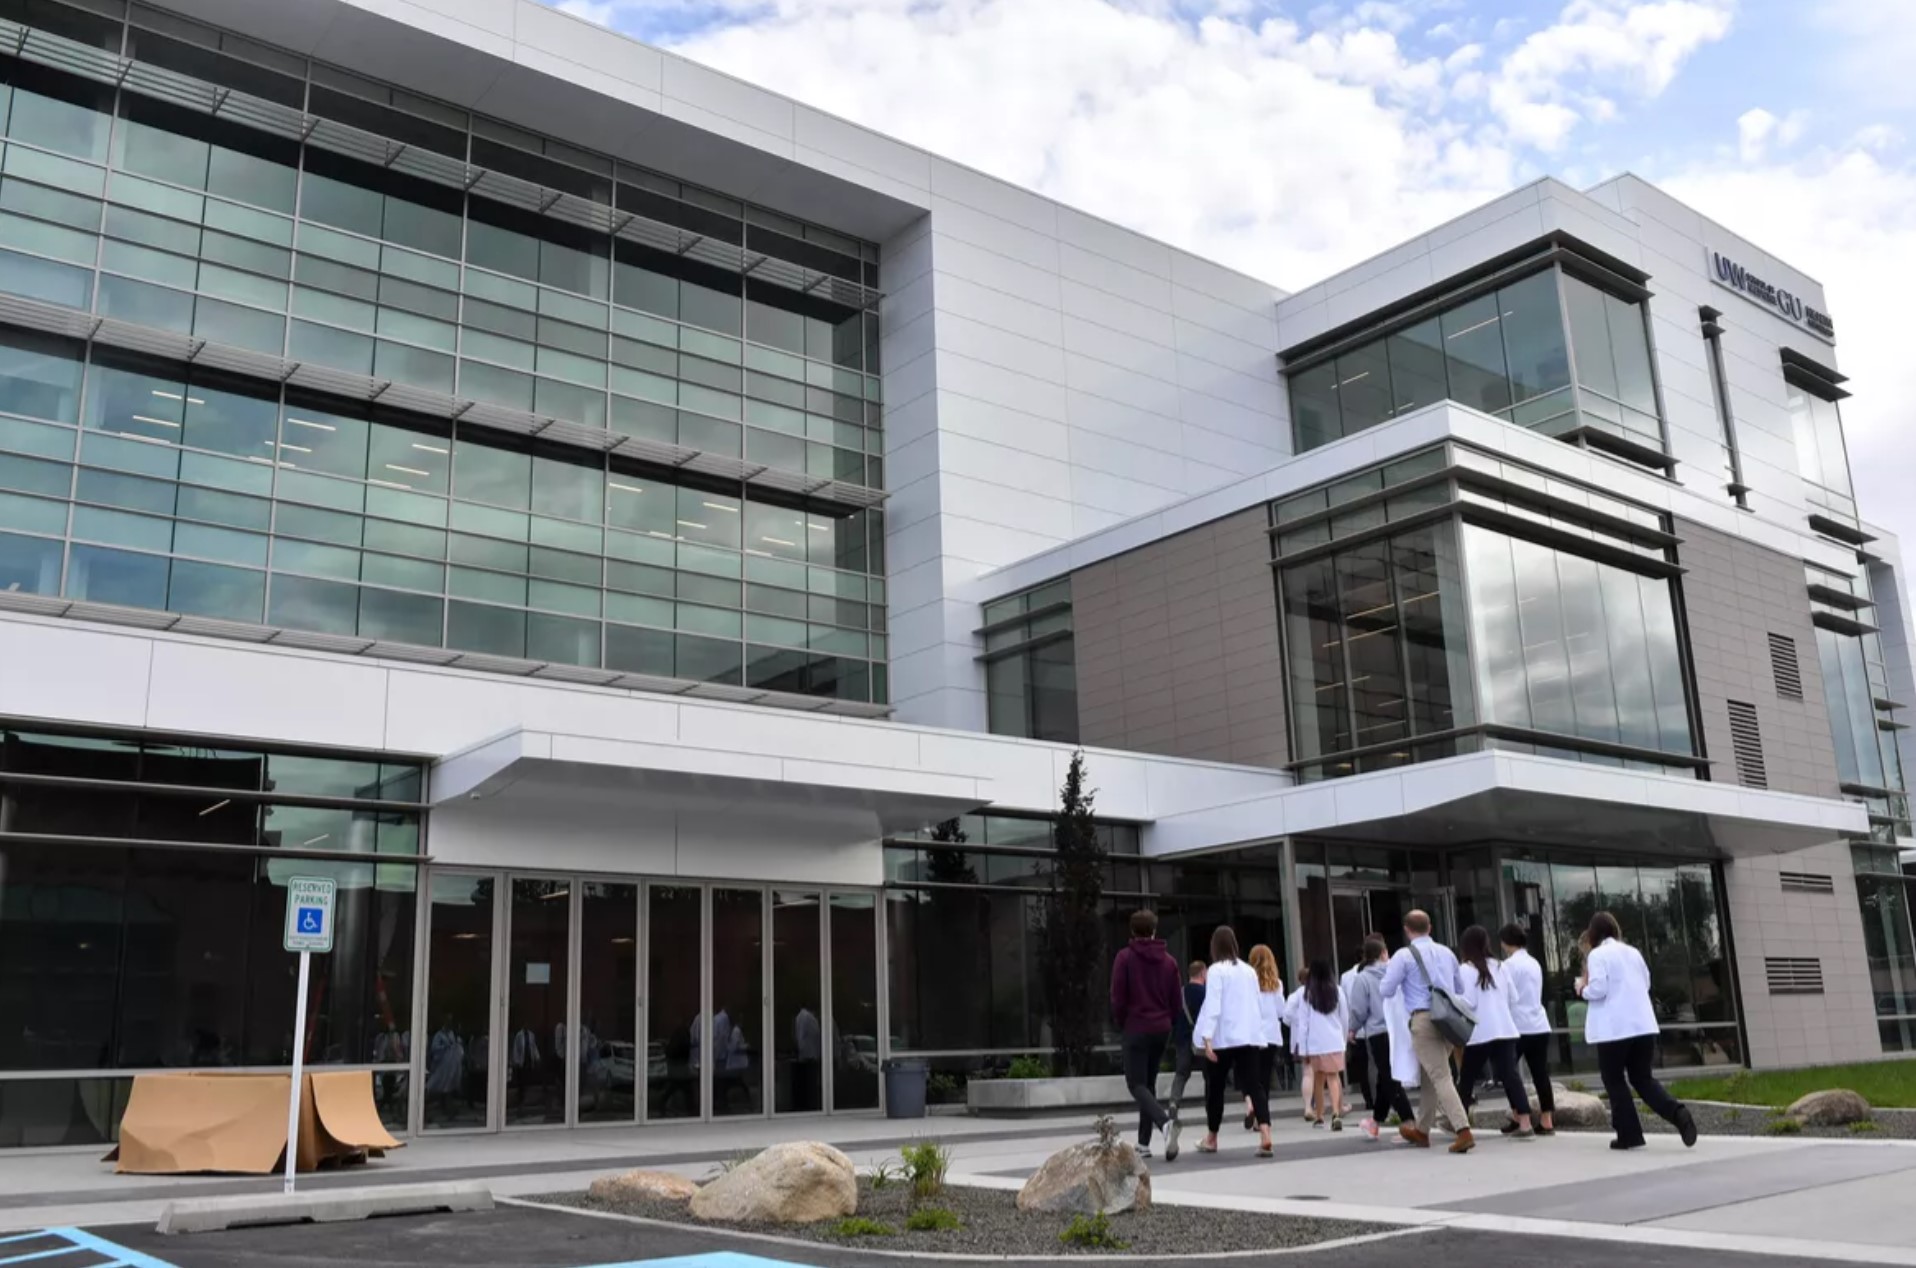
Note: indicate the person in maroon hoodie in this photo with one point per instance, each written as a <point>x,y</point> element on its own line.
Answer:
<point>1145,997</point>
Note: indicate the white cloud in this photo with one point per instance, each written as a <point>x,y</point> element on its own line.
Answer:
<point>1756,129</point>
<point>1596,50</point>
<point>1285,147</point>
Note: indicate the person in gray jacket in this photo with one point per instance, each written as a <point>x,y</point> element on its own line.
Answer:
<point>1370,1031</point>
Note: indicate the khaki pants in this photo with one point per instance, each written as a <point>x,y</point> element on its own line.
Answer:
<point>1439,1091</point>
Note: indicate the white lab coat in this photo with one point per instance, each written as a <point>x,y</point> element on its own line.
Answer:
<point>1618,993</point>
<point>1403,1057</point>
<point>1316,1034</point>
<point>1270,1011</point>
<point>1490,1003</point>
<point>1230,1016</point>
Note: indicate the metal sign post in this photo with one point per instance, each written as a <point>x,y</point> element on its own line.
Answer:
<point>309,928</point>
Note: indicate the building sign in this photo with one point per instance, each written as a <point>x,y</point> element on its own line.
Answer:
<point>1785,304</point>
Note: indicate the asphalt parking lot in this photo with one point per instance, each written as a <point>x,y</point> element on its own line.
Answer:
<point>514,1237</point>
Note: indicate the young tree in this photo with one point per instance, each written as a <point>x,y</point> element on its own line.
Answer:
<point>1073,937</point>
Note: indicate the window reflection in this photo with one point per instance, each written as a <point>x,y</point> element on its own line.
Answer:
<point>1506,353</point>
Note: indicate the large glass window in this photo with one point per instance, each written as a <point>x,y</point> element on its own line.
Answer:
<point>1375,641</point>
<point>1507,352</point>
<point>1883,891</point>
<point>1821,454</point>
<point>1031,669</point>
<point>1574,647</point>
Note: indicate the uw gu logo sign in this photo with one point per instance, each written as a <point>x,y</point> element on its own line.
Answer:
<point>1786,304</point>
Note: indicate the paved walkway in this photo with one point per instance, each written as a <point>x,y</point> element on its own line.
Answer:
<point>1806,1200</point>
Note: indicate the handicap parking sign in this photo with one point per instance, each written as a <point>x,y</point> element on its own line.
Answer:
<point>309,913</point>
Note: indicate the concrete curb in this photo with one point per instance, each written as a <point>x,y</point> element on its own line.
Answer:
<point>327,1206</point>
<point>1076,1257</point>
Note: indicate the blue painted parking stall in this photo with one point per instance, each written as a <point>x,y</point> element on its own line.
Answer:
<point>71,1248</point>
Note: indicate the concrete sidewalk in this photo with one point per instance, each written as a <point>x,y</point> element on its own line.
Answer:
<point>1806,1200</point>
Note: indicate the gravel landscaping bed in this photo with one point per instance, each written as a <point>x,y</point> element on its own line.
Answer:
<point>1745,1120</point>
<point>993,1225</point>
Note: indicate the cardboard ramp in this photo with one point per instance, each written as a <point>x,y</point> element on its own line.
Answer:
<point>235,1124</point>
<point>190,1122</point>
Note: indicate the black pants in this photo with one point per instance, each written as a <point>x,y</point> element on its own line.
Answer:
<point>1182,1074</point>
<point>1501,1056</point>
<point>1535,1051</point>
<point>1389,1095</point>
<point>1357,1071</point>
<point>1626,1064</point>
<point>1244,1062</point>
<point>1143,1054</point>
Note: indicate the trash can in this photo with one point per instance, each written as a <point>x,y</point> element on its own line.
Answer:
<point>905,1082</point>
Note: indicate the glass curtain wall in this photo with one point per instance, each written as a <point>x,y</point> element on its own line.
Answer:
<point>143,956</point>
<point>1884,891</point>
<point>149,484</point>
<point>964,906</point>
<point>1508,353</point>
<point>1376,641</point>
<point>1031,669</point>
<point>1570,646</point>
<point>206,227</point>
<point>1670,912</point>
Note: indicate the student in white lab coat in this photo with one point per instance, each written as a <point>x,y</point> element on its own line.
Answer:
<point>1270,1009</point>
<point>1231,1031</point>
<point>1323,1023</point>
<point>1622,1026</point>
<point>1524,978</point>
<point>1494,1041</point>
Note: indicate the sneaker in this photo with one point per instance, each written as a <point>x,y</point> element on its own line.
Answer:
<point>1546,1131</point>
<point>1686,1126</point>
<point>1524,1133</point>
<point>1317,1122</point>
<point>1620,1146</point>
<point>1337,1122</point>
<point>1369,1127</point>
<point>1144,1151</point>
<point>1510,1127</point>
<point>1171,1140</point>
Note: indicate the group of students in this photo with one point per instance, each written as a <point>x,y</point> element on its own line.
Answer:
<point>1232,1018</point>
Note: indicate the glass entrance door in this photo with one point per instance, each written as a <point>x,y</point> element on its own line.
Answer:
<point>675,941</point>
<point>459,1017</point>
<point>538,1039</point>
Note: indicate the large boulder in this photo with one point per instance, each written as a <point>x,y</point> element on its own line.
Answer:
<point>1836,1107</point>
<point>1580,1109</point>
<point>643,1184</point>
<point>1087,1179</point>
<point>798,1183</point>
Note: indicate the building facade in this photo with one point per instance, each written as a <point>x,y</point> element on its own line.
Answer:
<point>658,547</point>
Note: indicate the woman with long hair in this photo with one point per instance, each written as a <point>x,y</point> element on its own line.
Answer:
<point>1323,1022</point>
<point>1370,1023</point>
<point>1270,1010</point>
<point>1494,1041</point>
<point>1622,1026</point>
<point>1231,1030</point>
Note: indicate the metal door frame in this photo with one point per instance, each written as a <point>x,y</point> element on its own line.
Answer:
<point>422,1001</point>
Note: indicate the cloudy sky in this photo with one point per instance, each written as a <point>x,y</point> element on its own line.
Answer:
<point>1290,138</point>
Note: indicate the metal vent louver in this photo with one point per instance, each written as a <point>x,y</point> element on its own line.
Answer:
<point>1794,975</point>
<point>1746,738</point>
<point>1785,666</point>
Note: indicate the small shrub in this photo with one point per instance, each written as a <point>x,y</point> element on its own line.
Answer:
<point>1737,1088</point>
<point>1733,1114</point>
<point>1578,1085</point>
<point>933,1219</point>
<point>733,1163</point>
<point>1092,1232</point>
<point>925,1166</point>
<point>885,1174</point>
<point>1782,1127</point>
<point>1028,1068</point>
<point>859,1226</point>
<point>1106,1129</point>
<point>944,1088</point>
<point>1778,1111</point>
<point>1864,1126</point>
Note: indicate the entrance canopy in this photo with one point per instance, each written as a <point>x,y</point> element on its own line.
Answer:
<point>1516,798</point>
<point>527,766</point>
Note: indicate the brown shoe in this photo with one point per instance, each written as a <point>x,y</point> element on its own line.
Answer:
<point>1411,1135</point>
<point>1464,1143</point>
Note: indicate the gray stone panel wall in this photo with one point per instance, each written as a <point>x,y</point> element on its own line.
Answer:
<point>1177,647</point>
<point>1736,595</point>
